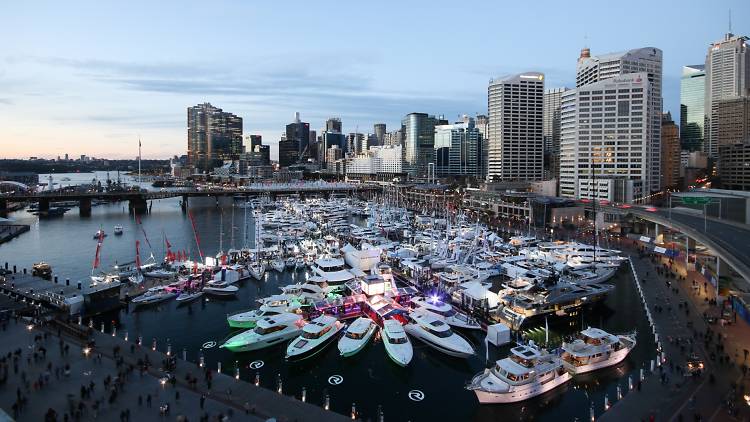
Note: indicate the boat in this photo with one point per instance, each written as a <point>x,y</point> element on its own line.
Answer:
<point>187,296</point>
<point>154,295</point>
<point>257,270</point>
<point>269,331</point>
<point>299,263</point>
<point>437,334</point>
<point>396,342</point>
<point>363,259</point>
<point>136,278</point>
<point>316,335</point>
<point>159,273</point>
<point>248,319</point>
<point>42,269</point>
<point>445,312</point>
<point>595,349</point>
<point>526,373</point>
<point>118,230</point>
<point>100,233</point>
<point>278,265</point>
<point>356,337</point>
<point>291,262</point>
<point>220,289</point>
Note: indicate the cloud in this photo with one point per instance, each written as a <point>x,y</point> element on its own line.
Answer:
<point>6,101</point>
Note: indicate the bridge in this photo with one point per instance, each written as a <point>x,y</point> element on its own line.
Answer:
<point>138,199</point>
<point>728,240</point>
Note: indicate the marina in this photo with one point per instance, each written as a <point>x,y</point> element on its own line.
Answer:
<point>326,283</point>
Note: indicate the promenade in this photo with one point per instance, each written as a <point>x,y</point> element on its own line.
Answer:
<point>51,378</point>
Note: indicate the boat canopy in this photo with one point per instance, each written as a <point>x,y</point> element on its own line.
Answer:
<point>325,304</point>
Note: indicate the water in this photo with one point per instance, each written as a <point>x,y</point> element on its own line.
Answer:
<point>370,379</point>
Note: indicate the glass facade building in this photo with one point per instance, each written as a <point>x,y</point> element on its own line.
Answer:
<point>214,136</point>
<point>692,107</point>
<point>458,149</point>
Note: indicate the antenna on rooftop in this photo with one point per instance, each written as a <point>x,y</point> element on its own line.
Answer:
<point>730,21</point>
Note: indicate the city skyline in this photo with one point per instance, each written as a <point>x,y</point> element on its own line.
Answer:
<point>64,92</point>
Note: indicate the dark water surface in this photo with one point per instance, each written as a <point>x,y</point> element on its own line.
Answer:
<point>370,379</point>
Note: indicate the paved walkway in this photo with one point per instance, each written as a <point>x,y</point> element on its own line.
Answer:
<point>670,394</point>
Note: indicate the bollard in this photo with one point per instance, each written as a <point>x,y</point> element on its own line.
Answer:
<point>80,320</point>
<point>257,379</point>
<point>606,403</point>
<point>278,384</point>
<point>153,345</point>
<point>140,340</point>
<point>381,417</point>
<point>591,412</point>
<point>619,393</point>
<point>169,349</point>
<point>202,360</point>
<point>79,285</point>
<point>653,365</point>
<point>304,394</point>
<point>55,279</point>
<point>184,354</point>
<point>237,372</point>
<point>642,376</point>
<point>67,282</point>
<point>24,271</point>
<point>114,331</point>
<point>218,367</point>
<point>327,405</point>
<point>630,383</point>
<point>14,269</point>
<point>126,336</point>
<point>354,411</point>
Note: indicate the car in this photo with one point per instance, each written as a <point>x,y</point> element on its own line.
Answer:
<point>695,365</point>
<point>651,209</point>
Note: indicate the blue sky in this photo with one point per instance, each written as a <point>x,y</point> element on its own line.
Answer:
<point>90,77</point>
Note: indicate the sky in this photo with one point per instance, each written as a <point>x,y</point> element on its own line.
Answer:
<point>82,77</point>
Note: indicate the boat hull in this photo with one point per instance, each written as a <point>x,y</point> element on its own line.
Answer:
<point>521,394</point>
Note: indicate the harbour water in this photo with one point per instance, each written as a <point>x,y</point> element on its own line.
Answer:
<point>430,388</point>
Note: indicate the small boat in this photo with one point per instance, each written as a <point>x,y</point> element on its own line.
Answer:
<point>356,337</point>
<point>526,373</point>
<point>396,342</point>
<point>316,335</point>
<point>160,273</point>
<point>291,262</point>
<point>248,319</point>
<point>434,332</point>
<point>154,295</point>
<point>257,270</point>
<point>444,311</point>
<point>220,289</point>
<point>299,263</point>
<point>187,296</point>
<point>269,331</point>
<point>278,264</point>
<point>595,349</point>
<point>99,233</point>
<point>42,269</point>
<point>118,230</point>
<point>136,278</point>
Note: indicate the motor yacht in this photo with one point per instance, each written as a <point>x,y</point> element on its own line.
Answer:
<point>187,296</point>
<point>268,331</point>
<point>437,334</point>
<point>154,295</point>
<point>278,265</point>
<point>159,273</point>
<point>316,335</point>
<point>248,319</point>
<point>100,233</point>
<point>220,289</point>
<point>445,312</point>
<point>356,337</point>
<point>595,349</point>
<point>257,270</point>
<point>526,373</point>
<point>299,263</point>
<point>281,303</point>
<point>118,230</point>
<point>396,342</point>
<point>291,262</point>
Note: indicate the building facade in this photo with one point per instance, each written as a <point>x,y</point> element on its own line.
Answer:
<point>516,140</point>
<point>419,142</point>
<point>214,136</point>
<point>458,149</point>
<point>551,132</point>
<point>734,166</point>
<point>299,133</point>
<point>333,124</point>
<point>692,107</point>
<point>732,119</point>
<point>379,130</point>
<point>288,152</point>
<point>670,152</point>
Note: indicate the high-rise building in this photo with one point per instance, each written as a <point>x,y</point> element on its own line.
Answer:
<point>551,132</point>
<point>419,142</point>
<point>516,141</point>
<point>458,149</point>
<point>379,131</point>
<point>395,138</point>
<point>692,106</point>
<point>670,152</point>
<point>592,69</point>
<point>333,124</point>
<point>252,141</point>
<point>299,132</point>
<point>604,139</point>
<point>483,126</point>
<point>288,152</point>
<point>213,136</point>
<point>732,119</point>
<point>734,171</point>
<point>727,76</point>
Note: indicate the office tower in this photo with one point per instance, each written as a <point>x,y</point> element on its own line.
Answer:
<point>419,142</point>
<point>288,152</point>
<point>670,152</point>
<point>458,149</point>
<point>604,139</point>
<point>333,154</point>
<point>483,126</point>
<point>333,125</point>
<point>379,131</point>
<point>355,143</point>
<point>592,69</point>
<point>733,121</point>
<point>299,132</point>
<point>394,138</point>
<point>733,168</point>
<point>516,141</point>
<point>213,136</point>
<point>727,76</point>
<point>551,132</point>
<point>692,107</point>
<point>252,141</point>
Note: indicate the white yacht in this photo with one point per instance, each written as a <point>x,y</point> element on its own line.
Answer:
<point>356,337</point>
<point>188,296</point>
<point>159,273</point>
<point>332,269</point>
<point>154,295</point>
<point>445,312</point>
<point>316,335</point>
<point>118,230</point>
<point>220,289</point>
<point>248,319</point>
<point>268,331</point>
<point>291,262</point>
<point>595,349</point>
<point>257,270</point>
<point>396,342</point>
<point>526,373</point>
<point>280,303</point>
<point>434,332</point>
<point>278,265</point>
<point>299,263</point>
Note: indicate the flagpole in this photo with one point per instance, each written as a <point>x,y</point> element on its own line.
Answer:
<point>139,159</point>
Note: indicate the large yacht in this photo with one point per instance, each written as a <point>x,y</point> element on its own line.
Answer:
<point>434,332</point>
<point>595,349</point>
<point>332,269</point>
<point>526,373</point>
<point>248,319</point>
<point>316,335</point>
<point>445,312</point>
<point>154,295</point>
<point>396,342</point>
<point>356,337</point>
<point>269,331</point>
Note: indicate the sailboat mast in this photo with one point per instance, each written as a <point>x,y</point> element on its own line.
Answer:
<point>139,159</point>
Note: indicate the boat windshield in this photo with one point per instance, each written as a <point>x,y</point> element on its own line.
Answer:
<point>268,330</point>
<point>398,340</point>
<point>440,333</point>
<point>319,334</point>
<point>448,313</point>
<point>355,336</point>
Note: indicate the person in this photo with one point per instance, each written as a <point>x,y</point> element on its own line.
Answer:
<point>203,400</point>
<point>148,400</point>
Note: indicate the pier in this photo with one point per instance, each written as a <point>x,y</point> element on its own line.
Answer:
<point>11,231</point>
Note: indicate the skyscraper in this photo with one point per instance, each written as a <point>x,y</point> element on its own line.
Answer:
<point>592,69</point>
<point>670,152</point>
<point>727,76</point>
<point>213,136</point>
<point>692,106</point>
<point>299,132</point>
<point>419,142</point>
<point>333,124</point>
<point>516,140</point>
<point>483,126</point>
<point>379,131</point>
<point>551,131</point>
<point>458,149</point>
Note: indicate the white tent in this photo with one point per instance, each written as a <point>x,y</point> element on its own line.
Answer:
<point>498,334</point>
<point>478,295</point>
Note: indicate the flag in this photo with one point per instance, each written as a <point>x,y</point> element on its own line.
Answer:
<point>98,248</point>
